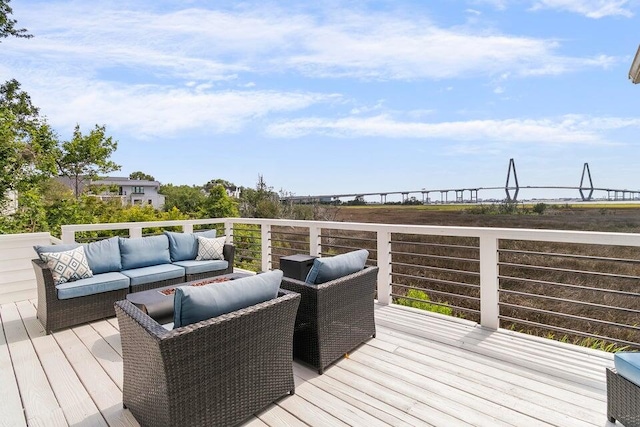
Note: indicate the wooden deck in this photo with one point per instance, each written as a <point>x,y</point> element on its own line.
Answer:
<point>419,370</point>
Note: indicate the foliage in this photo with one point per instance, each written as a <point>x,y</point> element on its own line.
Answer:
<point>141,176</point>
<point>540,208</point>
<point>218,204</point>
<point>261,202</point>
<point>214,182</point>
<point>187,199</point>
<point>83,157</point>
<point>423,304</point>
<point>7,25</point>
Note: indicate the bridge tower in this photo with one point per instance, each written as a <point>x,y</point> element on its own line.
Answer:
<point>507,188</point>
<point>587,172</point>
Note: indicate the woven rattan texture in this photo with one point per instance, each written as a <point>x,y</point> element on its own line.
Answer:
<point>334,317</point>
<point>56,314</point>
<point>623,400</point>
<point>216,372</point>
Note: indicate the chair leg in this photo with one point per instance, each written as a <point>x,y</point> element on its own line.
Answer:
<point>612,419</point>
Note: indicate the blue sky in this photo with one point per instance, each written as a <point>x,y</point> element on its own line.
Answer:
<point>326,97</point>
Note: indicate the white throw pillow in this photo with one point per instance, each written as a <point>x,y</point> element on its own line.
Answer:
<point>210,248</point>
<point>67,266</point>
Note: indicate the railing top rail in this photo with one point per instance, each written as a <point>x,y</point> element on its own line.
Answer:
<point>560,236</point>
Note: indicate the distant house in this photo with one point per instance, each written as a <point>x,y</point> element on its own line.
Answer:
<point>128,191</point>
<point>233,191</point>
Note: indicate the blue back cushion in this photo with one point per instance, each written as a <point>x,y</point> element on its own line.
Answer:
<point>41,249</point>
<point>328,269</point>
<point>192,304</point>
<point>103,256</point>
<point>144,251</point>
<point>184,246</point>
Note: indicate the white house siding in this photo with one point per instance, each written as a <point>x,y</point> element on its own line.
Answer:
<point>17,279</point>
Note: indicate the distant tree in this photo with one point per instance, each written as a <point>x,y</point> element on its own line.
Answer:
<point>261,202</point>
<point>84,157</point>
<point>212,183</point>
<point>7,25</point>
<point>219,204</point>
<point>141,176</point>
<point>187,199</point>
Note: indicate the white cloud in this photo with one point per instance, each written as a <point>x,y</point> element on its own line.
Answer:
<point>145,111</point>
<point>562,130</point>
<point>213,45</point>
<point>590,8</point>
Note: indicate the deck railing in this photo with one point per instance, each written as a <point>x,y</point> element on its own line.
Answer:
<point>549,282</point>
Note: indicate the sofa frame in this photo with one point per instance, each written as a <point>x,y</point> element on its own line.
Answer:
<point>55,314</point>
<point>216,372</point>
<point>623,400</point>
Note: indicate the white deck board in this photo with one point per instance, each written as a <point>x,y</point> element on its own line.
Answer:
<point>420,370</point>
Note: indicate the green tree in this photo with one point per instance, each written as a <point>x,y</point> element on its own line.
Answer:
<point>84,157</point>
<point>187,199</point>
<point>141,176</point>
<point>218,181</point>
<point>7,25</point>
<point>261,202</point>
<point>219,204</point>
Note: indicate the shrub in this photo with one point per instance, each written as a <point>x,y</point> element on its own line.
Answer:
<point>416,294</point>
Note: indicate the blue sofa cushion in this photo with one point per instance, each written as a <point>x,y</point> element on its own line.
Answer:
<point>40,249</point>
<point>104,255</point>
<point>328,269</point>
<point>100,283</point>
<point>154,273</point>
<point>195,303</point>
<point>144,251</point>
<point>627,364</point>
<point>182,246</point>
<point>197,267</point>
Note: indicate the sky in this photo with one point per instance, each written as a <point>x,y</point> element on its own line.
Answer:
<point>339,97</point>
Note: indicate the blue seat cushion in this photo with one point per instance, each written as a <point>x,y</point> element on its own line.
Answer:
<point>144,251</point>
<point>328,269</point>
<point>184,246</point>
<point>154,273</point>
<point>192,304</point>
<point>103,256</point>
<point>99,283</point>
<point>627,364</point>
<point>197,267</point>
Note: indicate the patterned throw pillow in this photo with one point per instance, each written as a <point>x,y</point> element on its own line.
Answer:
<point>67,266</point>
<point>210,248</point>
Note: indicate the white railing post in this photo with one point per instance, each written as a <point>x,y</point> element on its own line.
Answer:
<point>68,236</point>
<point>315,248</point>
<point>228,231</point>
<point>489,308</point>
<point>384,267</point>
<point>135,232</point>
<point>265,240</point>
<point>187,228</point>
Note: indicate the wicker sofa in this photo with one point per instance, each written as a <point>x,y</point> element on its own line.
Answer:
<point>57,311</point>
<point>212,373</point>
<point>334,317</point>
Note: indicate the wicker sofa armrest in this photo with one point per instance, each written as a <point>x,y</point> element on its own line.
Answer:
<point>229,252</point>
<point>44,280</point>
<point>214,372</point>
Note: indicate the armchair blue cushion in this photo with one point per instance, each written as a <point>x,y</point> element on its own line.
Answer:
<point>41,249</point>
<point>144,252</point>
<point>195,303</point>
<point>627,364</point>
<point>328,269</point>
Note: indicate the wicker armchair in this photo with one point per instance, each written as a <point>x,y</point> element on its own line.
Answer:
<point>55,314</point>
<point>623,400</point>
<point>334,317</point>
<point>216,372</point>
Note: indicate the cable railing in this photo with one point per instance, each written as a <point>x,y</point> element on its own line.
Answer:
<point>575,286</point>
